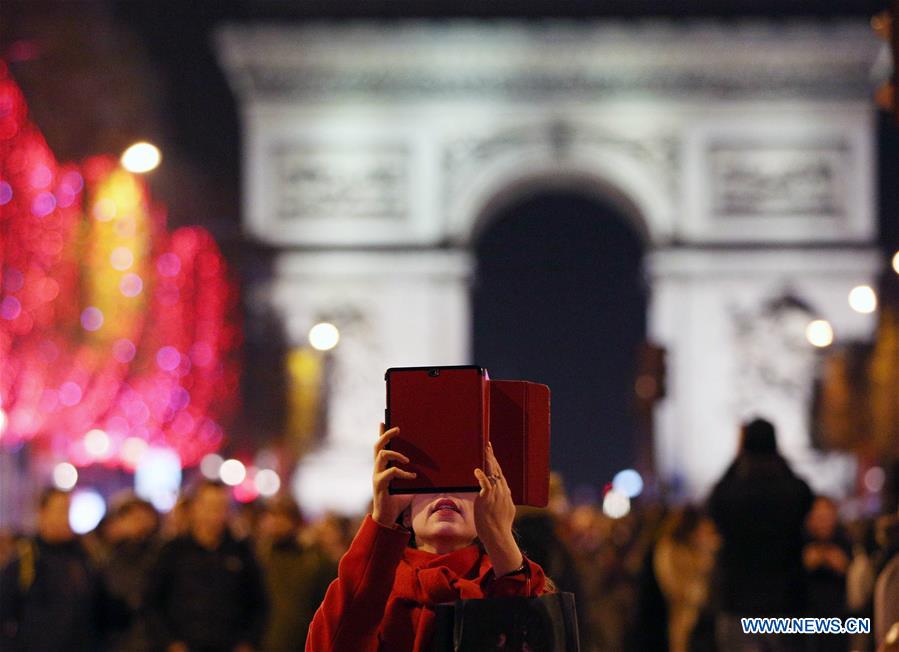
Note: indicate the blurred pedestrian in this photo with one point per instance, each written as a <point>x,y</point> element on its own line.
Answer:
<point>537,534</point>
<point>206,593</point>
<point>886,588</point>
<point>825,558</point>
<point>759,507</point>
<point>683,562</point>
<point>134,530</point>
<point>296,577</point>
<point>50,594</point>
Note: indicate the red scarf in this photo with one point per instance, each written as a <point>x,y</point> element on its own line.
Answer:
<point>429,579</point>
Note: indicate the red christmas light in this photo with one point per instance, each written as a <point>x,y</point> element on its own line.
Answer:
<point>107,321</point>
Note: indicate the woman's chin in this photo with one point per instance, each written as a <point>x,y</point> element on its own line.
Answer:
<point>447,527</point>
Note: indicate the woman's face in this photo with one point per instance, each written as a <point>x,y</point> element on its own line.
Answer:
<point>443,522</point>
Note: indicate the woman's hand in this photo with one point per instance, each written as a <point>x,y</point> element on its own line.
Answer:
<point>386,508</point>
<point>494,513</point>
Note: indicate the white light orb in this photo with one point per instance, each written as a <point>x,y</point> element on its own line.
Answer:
<point>97,443</point>
<point>211,465</point>
<point>157,477</point>
<point>267,482</point>
<point>863,299</point>
<point>133,450</point>
<point>232,472</point>
<point>141,157</point>
<point>65,476</point>
<point>628,482</point>
<point>3,420</point>
<point>86,511</point>
<point>324,336</point>
<point>819,333</point>
<point>615,504</point>
<point>121,258</point>
<point>896,262</point>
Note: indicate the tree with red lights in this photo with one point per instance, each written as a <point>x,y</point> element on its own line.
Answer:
<point>115,334</point>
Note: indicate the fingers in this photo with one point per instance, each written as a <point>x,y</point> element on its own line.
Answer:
<point>484,482</point>
<point>384,456</point>
<point>384,437</point>
<point>495,469</point>
<point>492,462</point>
<point>384,477</point>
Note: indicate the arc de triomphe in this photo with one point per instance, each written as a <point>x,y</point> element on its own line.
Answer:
<point>743,154</point>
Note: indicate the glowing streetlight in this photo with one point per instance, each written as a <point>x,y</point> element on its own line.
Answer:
<point>324,336</point>
<point>616,504</point>
<point>211,466</point>
<point>232,472</point>
<point>141,157</point>
<point>86,511</point>
<point>65,476</point>
<point>896,262</point>
<point>133,450</point>
<point>863,299</point>
<point>97,443</point>
<point>267,482</point>
<point>628,482</point>
<point>819,333</point>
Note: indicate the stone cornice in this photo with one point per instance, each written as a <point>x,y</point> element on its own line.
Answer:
<point>421,60</point>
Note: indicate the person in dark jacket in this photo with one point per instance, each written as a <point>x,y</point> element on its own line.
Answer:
<point>759,507</point>
<point>297,577</point>
<point>537,535</point>
<point>50,594</point>
<point>826,558</point>
<point>134,533</point>
<point>206,592</point>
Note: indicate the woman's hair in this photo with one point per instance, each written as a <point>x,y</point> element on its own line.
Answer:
<point>682,523</point>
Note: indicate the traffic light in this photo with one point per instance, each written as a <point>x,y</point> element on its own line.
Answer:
<point>882,23</point>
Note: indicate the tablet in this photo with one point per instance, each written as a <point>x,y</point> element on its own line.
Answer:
<point>443,416</point>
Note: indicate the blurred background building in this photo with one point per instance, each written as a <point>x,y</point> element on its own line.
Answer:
<point>676,216</point>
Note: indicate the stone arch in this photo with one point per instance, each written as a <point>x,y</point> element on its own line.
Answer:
<point>636,188</point>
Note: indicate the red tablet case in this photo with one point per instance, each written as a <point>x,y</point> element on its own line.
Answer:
<point>443,417</point>
<point>519,432</point>
<point>446,414</point>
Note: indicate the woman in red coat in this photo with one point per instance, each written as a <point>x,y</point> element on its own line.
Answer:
<point>386,590</point>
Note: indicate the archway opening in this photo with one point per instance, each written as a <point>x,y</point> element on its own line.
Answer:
<point>560,298</point>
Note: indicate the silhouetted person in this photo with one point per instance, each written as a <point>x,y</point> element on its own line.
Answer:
<point>886,588</point>
<point>296,577</point>
<point>759,507</point>
<point>206,592</point>
<point>133,533</point>
<point>50,596</point>
<point>826,558</point>
<point>537,535</point>
<point>683,561</point>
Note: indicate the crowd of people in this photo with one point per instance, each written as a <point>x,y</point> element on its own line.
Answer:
<point>205,578</point>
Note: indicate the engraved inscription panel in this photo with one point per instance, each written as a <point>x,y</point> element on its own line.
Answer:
<point>772,180</point>
<point>341,181</point>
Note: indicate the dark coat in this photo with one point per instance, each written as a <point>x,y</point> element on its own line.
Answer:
<point>126,576</point>
<point>50,599</point>
<point>759,506</point>
<point>208,599</point>
<point>297,580</point>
